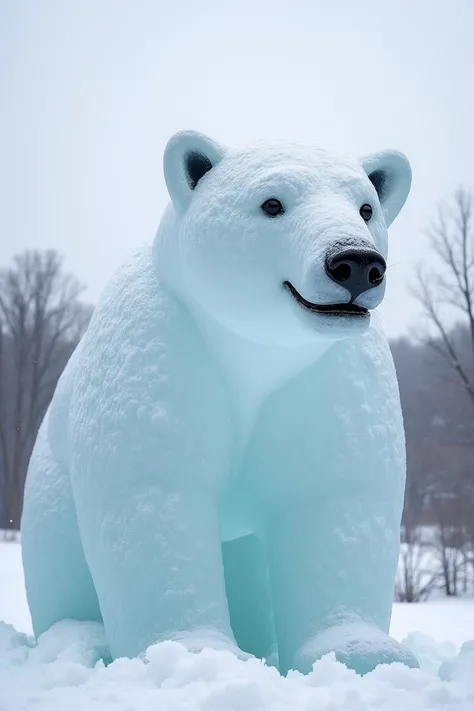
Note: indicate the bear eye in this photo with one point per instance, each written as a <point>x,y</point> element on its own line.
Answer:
<point>272,207</point>
<point>366,212</point>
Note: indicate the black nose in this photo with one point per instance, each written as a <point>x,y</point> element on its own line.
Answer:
<point>357,270</point>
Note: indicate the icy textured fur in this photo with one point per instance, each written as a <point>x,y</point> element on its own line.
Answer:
<point>218,465</point>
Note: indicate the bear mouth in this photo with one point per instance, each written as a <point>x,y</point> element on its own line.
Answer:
<point>346,309</point>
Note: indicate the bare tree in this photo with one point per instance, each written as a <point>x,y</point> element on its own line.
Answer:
<point>449,290</point>
<point>446,294</point>
<point>41,321</point>
<point>415,581</point>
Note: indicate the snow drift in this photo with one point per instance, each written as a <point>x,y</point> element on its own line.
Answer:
<point>60,673</point>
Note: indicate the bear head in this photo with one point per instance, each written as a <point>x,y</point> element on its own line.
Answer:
<point>279,243</point>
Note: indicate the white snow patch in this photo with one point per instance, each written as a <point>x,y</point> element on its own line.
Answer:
<point>63,671</point>
<point>55,676</point>
<point>445,619</point>
<point>13,604</point>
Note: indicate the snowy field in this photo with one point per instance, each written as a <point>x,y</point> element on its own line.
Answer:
<point>61,675</point>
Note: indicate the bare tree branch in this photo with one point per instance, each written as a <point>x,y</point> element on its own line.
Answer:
<point>452,240</point>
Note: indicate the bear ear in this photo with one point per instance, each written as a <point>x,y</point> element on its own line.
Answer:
<point>188,156</point>
<point>390,174</point>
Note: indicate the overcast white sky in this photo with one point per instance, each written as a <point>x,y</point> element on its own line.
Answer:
<point>90,91</point>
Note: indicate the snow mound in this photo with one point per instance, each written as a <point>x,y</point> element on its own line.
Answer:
<point>64,672</point>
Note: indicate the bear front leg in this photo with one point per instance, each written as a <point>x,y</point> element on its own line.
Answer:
<point>332,569</point>
<point>150,443</point>
<point>157,567</point>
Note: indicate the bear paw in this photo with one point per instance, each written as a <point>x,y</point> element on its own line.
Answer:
<point>358,645</point>
<point>197,640</point>
<point>74,641</point>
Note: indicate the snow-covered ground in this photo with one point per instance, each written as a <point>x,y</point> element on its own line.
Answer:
<point>60,673</point>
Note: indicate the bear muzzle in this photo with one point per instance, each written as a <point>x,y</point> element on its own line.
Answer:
<point>357,270</point>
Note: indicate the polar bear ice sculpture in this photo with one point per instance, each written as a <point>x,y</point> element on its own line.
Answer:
<point>223,459</point>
